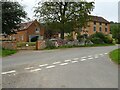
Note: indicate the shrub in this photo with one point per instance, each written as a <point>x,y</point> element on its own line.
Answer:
<point>97,40</point>
<point>49,44</point>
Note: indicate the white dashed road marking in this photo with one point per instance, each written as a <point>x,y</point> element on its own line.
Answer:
<point>75,58</point>
<point>67,60</point>
<point>13,71</point>
<point>83,59</point>
<point>90,58</point>
<point>105,53</point>
<point>96,56</point>
<point>43,65</point>
<point>56,62</point>
<point>101,54</point>
<point>74,61</point>
<point>50,66</point>
<point>63,64</point>
<point>35,70</point>
<point>29,68</point>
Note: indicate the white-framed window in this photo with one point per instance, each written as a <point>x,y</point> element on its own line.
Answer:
<point>37,30</point>
<point>22,37</point>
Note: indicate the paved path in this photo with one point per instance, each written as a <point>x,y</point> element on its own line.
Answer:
<point>65,68</point>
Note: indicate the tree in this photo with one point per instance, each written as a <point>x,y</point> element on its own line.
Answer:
<point>115,30</point>
<point>12,15</point>
<point>66,16</point>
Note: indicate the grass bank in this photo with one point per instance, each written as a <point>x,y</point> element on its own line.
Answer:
<point>6,52</point>
<point>115,56</point>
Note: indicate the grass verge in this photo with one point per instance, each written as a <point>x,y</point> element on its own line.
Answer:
<point>6,52</point>
<point>115,56</point>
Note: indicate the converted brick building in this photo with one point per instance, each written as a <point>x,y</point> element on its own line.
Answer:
<point>97,24</point>
<point>27,31</point>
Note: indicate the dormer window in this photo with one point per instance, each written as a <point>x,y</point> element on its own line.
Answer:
<point>37,30</point>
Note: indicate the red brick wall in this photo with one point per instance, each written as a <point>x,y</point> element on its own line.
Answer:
<point>90,28</point>
<point>9,45</point>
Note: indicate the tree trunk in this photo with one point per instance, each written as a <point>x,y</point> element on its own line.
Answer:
<point>62,34</point>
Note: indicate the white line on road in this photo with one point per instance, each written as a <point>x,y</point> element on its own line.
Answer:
<point>35,70</point>
<point>101,54</point>
<point>50,66</point>
<point>74,61</point>
<point>42,65</point>
<point>13,71</point>
<point>29,68</point>
<point>67,60</point>
<point>96,56</point>
<point>75,58</point>
<point>83,59</point>
<point>56,62</point>
<point>63,64</point>
<point>90,58</point>
<point>105,53</point>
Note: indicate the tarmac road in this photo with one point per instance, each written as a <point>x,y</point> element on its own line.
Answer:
<point>88,67</point>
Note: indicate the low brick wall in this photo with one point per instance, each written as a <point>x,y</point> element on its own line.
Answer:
<point>9,45</point>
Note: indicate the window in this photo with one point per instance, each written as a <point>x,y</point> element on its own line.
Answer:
<point>106,24</point>
<point>94,29</point>
<point>94,23</point>
<point>22,38</point>
<point>105,29</point>
<point>37,30</point>
<point>100,29</point>
<point>100,23</point>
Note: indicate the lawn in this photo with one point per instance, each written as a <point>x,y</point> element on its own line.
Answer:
<point>115,56</point>
<point>6,52</point>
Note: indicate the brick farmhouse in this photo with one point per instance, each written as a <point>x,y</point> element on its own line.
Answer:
<point>27,31</point>
<point>32,29</point>
<point>95,24</point>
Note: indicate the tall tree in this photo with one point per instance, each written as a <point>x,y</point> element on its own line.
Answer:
<point>115,30</point>
<point>12,15</point>
<point>64,14</point>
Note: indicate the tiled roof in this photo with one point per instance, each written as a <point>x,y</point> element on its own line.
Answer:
<point>24,25</point>
<point>98,19</point>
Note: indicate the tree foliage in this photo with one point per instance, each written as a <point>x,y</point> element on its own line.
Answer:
<point>115,30</point>
<point>12,15</point>
<point>64,16</point>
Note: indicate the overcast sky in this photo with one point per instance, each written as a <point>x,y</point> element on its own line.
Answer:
<point>105,8</point>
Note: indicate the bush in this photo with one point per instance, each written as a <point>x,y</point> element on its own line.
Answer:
<point>99,38</point>
<point>49,44</point>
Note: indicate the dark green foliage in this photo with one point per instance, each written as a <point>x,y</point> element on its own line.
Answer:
<point>49,44</point>
<point>100,38</point>
<point>64,16</point>
<point>115,30</point>
<point>12,14</point>
<point>97,40</point>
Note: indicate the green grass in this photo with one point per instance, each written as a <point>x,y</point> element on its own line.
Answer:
<point>115,56</point>
<point>22,44</point>
<point>6,52</point>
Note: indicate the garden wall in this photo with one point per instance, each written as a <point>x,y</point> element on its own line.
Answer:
<point>8,45</point>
